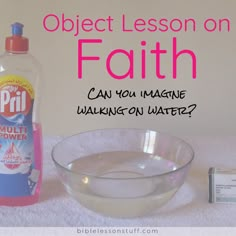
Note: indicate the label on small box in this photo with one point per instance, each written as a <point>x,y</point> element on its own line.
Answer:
<point>222,186</point>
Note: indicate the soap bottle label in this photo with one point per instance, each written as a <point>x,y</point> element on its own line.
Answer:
<point>18,175</point>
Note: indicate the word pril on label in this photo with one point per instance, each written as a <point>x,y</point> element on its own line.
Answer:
<point>14,104</point>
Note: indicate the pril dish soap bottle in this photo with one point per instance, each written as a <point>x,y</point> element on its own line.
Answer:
<point>20,130</point>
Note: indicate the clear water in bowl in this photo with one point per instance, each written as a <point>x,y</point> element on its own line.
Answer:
<point>122,190</point>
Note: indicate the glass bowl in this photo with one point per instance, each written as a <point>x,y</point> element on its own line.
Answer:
<point>122,172</point>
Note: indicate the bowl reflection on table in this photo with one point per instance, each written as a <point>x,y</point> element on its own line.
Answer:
<point>122,172</point>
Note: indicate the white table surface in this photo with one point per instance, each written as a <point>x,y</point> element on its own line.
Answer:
<point>189,207</point>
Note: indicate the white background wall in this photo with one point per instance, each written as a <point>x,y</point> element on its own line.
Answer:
<point>213,91</point>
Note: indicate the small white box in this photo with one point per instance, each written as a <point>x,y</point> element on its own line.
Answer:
<point>222,185</point>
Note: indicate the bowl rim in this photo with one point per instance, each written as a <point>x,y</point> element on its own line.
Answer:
<point>84,174</point>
